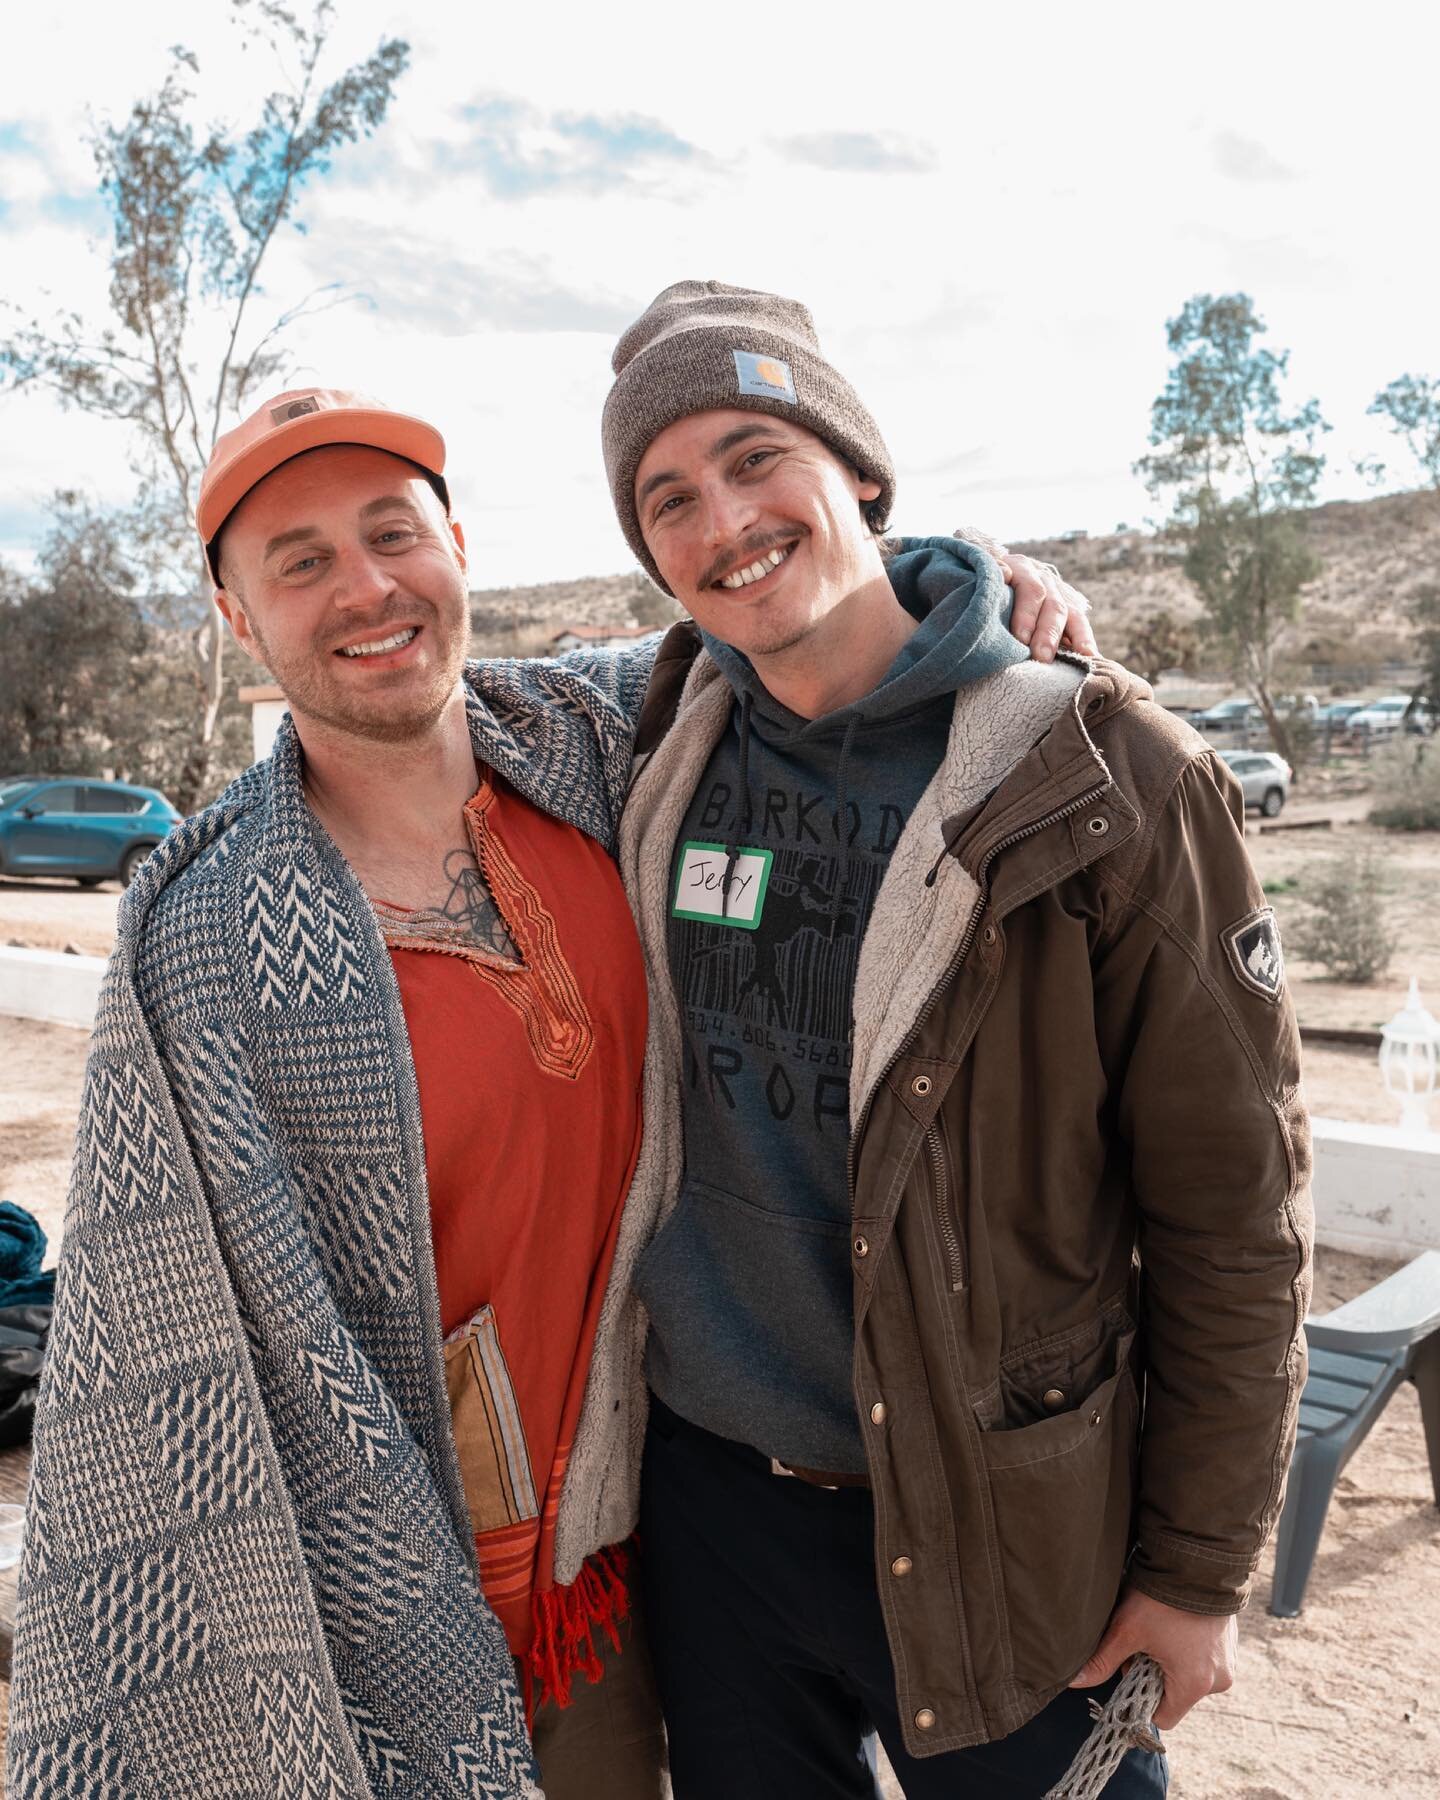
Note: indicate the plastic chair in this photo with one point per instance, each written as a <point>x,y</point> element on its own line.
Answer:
<point>1359,1355</point>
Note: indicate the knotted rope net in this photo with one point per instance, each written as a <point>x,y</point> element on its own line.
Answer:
<point>1121,1724</point>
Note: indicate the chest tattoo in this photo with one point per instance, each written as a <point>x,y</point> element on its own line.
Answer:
<point>465,921</point>
<point>469,908</point>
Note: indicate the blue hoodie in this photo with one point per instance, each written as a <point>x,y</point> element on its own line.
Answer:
<point>748,1284</point>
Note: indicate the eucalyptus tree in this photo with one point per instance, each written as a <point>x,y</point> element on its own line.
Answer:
<point>195,211</point>
<point>1237,463</point>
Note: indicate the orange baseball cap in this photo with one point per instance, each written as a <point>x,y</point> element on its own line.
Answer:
<point>301,420</point>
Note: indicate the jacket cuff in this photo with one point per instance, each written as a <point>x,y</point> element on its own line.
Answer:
<point>1189,1575</point>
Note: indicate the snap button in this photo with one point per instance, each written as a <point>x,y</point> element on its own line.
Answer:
<point>902,1565</point>
<point>1097,824</point>
<point>924,1719</point>
<point>877,1413</point>
<point>989,934</point>
<point>1053,1399</point>
<point>921,1085</point>
<point>861,1246</point>
<point>1095,1416</point>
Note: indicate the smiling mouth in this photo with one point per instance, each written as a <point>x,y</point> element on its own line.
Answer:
<point>381,646</point>
<point>757,570</point>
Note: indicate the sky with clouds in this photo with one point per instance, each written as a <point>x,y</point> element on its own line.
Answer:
<point>990,211</point>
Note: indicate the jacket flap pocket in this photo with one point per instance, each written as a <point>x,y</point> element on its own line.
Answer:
<point>1065,1431</point>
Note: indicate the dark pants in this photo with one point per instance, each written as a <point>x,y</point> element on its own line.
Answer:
<point>770,1646</point>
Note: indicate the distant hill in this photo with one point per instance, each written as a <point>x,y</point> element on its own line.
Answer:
<point>520,621</point>
<point>1377,555</point>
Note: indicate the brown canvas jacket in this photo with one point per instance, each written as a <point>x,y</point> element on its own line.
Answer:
<point>1080,1172</point>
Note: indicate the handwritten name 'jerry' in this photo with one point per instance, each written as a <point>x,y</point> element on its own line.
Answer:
<point>710,876</point>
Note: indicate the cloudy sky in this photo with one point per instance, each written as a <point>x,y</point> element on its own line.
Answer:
<point>990,218</point>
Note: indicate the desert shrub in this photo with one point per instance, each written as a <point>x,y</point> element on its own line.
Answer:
<point>1301,740</point>
<point>1343,925</point>
<point>1407,785</point>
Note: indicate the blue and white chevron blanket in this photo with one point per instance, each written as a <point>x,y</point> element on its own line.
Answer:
<point>248,1570</point>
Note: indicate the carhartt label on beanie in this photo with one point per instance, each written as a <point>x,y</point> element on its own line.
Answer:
<point>701,346</point>
<point>764,375</point>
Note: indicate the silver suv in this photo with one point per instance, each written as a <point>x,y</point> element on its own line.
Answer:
<point>1264,778</point>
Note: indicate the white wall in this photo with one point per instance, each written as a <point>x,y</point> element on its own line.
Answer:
<point>1377,1188</point>
<point>265,717</point>
<point>47,984</point>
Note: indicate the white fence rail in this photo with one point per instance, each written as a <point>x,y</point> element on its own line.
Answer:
<point>47,984</point>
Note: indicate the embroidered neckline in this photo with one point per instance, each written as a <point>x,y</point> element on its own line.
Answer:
<point>542,987</point>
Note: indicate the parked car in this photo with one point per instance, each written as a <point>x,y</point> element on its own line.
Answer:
<point>1229,715</point>
<point>1264,778</point>
<point>94,830</point>
<point>1334,716</point>
<point>1392,714</point>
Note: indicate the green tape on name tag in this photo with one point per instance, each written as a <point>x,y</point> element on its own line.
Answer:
<point>700,885</point>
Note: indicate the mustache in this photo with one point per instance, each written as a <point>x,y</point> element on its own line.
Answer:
<point>742,555</point>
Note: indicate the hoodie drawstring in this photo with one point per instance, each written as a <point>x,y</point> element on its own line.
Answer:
<point>742,805</point>
<point>949,845</point>
<point>842,821</point>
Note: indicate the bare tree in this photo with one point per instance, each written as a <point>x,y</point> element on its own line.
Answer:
<point>195,212</point>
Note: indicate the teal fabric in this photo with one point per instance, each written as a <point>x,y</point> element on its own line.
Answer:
<point>22,1250</point>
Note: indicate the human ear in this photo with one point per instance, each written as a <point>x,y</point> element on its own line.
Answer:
<point>241,630</point>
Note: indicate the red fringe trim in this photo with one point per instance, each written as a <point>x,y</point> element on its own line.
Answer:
<point>566,1620</point>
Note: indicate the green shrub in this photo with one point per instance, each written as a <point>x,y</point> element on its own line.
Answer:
<point>1407,785</point>
<point>1343,926</point>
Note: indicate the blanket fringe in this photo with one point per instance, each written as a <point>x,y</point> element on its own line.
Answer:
<point>566,1620</point>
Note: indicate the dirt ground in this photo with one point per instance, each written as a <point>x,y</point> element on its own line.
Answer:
<point>1410,903</point>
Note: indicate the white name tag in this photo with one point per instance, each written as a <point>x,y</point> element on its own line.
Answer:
<point>701,891</point>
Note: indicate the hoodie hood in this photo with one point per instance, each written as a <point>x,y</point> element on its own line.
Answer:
<point>959,596</point>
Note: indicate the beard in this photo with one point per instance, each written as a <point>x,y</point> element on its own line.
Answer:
<point>398,705</point>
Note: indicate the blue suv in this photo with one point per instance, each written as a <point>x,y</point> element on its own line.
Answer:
<point>92,830</point>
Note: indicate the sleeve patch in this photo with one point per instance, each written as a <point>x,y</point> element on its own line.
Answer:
<point>1253,948</point>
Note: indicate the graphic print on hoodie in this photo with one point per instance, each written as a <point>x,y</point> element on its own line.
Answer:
<point>748,1284</point>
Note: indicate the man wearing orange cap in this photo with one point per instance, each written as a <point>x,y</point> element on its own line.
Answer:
<point>347,1234</point>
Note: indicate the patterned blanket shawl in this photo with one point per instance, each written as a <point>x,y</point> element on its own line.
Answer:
<point>248,1569</point>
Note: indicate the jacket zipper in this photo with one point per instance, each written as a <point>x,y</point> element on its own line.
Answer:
<point>962,950</point>
<point>950,1237</point>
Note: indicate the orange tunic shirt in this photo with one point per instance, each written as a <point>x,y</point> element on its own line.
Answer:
<point>529,1078</point>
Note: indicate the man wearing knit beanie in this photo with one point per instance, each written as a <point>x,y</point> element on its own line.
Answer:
<point>894,880</point>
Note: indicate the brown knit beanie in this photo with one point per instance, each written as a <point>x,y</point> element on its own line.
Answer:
<point>703,345</point>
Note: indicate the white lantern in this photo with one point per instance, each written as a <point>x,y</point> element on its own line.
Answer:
<point>1410,1060</point>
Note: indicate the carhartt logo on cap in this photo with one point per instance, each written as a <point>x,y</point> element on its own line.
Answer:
<point>294,409</point>
<point>764,375</point>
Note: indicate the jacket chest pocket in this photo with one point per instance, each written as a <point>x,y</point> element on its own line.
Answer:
<point>1062,1491</point>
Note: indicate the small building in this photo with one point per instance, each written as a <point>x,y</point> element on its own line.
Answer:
<point>596,637</point>
<point>267,708</point>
